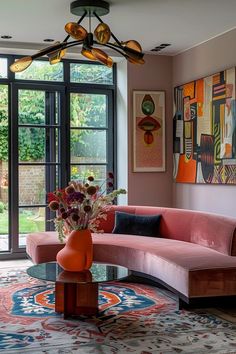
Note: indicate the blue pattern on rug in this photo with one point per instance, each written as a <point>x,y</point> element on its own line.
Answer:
<point>14,341</point>
<point>39,301</point>
<point>26,302</point>
<point>127,299</point>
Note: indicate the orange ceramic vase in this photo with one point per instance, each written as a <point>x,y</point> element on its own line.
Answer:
<point>77,255</point>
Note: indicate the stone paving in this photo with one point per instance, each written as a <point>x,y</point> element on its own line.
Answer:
<point>15,264</point>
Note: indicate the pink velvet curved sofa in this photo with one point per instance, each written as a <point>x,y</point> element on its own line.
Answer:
<point>194,253</point>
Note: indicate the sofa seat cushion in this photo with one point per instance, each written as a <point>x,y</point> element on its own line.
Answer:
<point>177,263</point>
<point>191,269</point>
<point>183,254</point>
<point>43,246</point>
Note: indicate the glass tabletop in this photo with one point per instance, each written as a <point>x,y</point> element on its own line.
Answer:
<point>99,272</point>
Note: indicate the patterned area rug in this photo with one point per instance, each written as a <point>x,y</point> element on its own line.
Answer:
<point>133,318</point>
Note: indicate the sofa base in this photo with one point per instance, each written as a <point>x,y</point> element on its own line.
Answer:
<point>207,302</point>
<point>183,301</point>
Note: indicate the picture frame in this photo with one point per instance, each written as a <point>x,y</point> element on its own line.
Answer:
<point>149,131</point>
<point>204,130</point>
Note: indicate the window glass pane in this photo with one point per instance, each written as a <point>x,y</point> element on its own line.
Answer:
<point>91,73</point>
<point>52,145</point>
<point>88,110</point>
<point>32,185</point>
<point>32,144</point>
<point>38,144</point>
<point>82,172</point>
<point>4,182</point>
<point>4,237</point>
<point>57,108</point>
<point>43,71</point>
<point>88,146</point>
<point>31,107</point>
<point>30,220</point>
<point>53,175</point>
<point>4,217</point>
<point>3,68</point>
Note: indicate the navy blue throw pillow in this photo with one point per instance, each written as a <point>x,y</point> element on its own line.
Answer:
<point>131,224</point>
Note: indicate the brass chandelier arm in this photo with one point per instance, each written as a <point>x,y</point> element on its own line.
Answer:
<point>64,45</point>
<point>49,50</point>
<point>73,44</point>
<point>128,53</point>
<point>119,50</point>
<point>109,45</point>
<point>114,47</point>
<point>133,53</point>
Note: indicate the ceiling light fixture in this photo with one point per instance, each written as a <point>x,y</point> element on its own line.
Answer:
<point>130,49</point>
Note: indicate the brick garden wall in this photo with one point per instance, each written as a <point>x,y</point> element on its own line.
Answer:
<point>31,184</point>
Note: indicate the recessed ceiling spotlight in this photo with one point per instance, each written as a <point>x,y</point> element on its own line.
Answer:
<point>163,45</point>
<point>160,47</point>
<point>49,40</point>
<point>6,36</point>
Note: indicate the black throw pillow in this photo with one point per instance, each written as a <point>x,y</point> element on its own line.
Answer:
<point>131,224</point>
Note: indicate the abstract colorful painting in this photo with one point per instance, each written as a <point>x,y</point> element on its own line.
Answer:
<point>148,131</point>
<point>205,130</point>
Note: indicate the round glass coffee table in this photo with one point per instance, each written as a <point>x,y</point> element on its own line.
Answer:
<point>76,293</point>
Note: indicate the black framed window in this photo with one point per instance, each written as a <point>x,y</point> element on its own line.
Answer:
<point>57,124</point>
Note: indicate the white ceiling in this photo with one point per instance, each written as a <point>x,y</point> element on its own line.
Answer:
<point>183,23</point>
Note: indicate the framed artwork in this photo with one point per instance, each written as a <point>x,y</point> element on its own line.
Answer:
<point>205,130</point>
<point>148,131</point>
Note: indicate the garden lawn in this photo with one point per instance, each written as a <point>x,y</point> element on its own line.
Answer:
<point>26,224</point>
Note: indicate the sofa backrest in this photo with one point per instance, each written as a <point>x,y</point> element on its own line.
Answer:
<point>210,230</point>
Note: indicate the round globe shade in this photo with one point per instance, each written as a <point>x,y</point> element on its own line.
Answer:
<point>136,61</point>
<point>87,53</point>
<point>132,45</point>
<point>21,64</point>
<point>76,31</point>
<point>102,33</point>
<point>101,56</point>
<point>55,57</point>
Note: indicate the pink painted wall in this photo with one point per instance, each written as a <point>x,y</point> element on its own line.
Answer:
<point>205,59</point>
<point>151,188</point>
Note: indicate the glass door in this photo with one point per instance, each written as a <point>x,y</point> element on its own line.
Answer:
<point>37,167</point>
<point>4,167</point>
<point>91,134</point>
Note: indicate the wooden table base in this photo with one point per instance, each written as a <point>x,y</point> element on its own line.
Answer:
<point>76,299</point>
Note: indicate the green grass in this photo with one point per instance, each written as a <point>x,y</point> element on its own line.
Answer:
<point>26,224</point>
